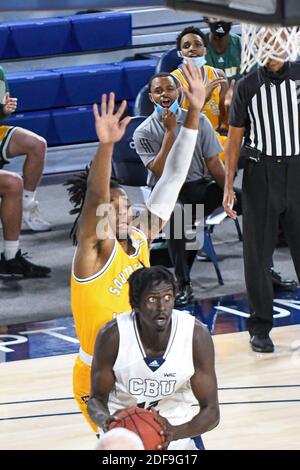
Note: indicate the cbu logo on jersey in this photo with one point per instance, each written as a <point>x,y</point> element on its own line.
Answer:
<point>151,388</point>
<point>121,279</point>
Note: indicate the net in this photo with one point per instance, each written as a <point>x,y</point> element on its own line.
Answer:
<point>261,43</point>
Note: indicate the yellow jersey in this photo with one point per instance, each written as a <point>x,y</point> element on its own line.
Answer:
<point>99,298</point>
<point>212,107</point>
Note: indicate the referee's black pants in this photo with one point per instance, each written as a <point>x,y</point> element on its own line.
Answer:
<point>270,194</point>
<point>204,192</point>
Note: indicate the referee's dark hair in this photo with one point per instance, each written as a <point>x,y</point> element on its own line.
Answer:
<point>144,279</point>
<point>190,30</point>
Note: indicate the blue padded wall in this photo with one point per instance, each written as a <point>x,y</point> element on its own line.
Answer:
<point>74,125</point>
<point>75,86</point>
<point>127,165</point>
<point>35,90</point>
<point>136,75</point>
<point>68,88</point>
<point>41,37</point>
<point>77,33</point>
<point>101,31</point>
<point>6,49</point>
<point>39,122</point>
<point>85,84</point>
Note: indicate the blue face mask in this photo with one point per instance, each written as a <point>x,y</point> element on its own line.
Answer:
<point>197,61</point>
<point>173,108</point>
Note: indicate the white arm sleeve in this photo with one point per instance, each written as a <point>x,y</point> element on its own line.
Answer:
<point>165,193</point>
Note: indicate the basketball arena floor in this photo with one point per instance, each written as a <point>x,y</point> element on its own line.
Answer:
<point>259,393</point>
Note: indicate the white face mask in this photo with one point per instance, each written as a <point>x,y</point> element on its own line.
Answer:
<point>197,61</point>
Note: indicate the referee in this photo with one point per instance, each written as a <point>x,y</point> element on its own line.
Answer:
<point>265,110</point>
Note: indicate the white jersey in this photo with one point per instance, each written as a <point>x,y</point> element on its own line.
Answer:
<point>161,382</point>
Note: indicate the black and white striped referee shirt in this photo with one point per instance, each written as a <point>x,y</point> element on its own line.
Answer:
<point>267,105</point>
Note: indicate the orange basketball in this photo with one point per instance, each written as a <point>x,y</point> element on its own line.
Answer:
<point>144,423</point>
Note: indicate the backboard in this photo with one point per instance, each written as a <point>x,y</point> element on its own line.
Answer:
<point>268,12</point>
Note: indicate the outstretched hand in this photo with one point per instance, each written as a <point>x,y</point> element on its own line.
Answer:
<point>210,86</point>
<point>196,93</point>
<point>109,126</point>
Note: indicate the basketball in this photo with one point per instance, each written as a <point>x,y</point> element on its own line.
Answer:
<point>144,423</point>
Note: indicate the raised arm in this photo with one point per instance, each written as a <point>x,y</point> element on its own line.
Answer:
<point>165,193</point>
<point>95,239</point>
<point>102,375</point>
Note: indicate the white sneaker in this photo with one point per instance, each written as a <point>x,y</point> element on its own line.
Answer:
<point>32,219</point>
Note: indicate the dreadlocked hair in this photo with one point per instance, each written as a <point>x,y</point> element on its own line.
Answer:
<point>76,188</point>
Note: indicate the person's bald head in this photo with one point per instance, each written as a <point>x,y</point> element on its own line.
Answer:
<point>120,439</point>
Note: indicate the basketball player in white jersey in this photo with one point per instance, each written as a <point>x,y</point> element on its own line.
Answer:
<point>156,356</point>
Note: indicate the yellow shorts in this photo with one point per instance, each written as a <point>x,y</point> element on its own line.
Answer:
<point>5,135</point>
<point>81,388</point>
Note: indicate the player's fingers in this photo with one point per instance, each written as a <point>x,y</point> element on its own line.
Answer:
<point>217,82</point>
<point>187,70</point>
<point>121,109</point>
<point>199,75</point>
<point>111,103</point>
<point>96,111</point>
<point>103,105</point>
<point>124,123</point>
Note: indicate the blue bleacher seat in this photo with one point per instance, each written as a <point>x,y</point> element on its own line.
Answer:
<point>143,106</point>
<point>101,30</point>
<point>169,61</point>
<point>136,74</point>
<point>39,122</point>
<point>130,108</point>
<point>6,49</point>
<point>127,165</point>
<point>35,90</point>
<point>74,125</point>
<point>81,85</point>
<point>85,84</point>
<point>41,37</point>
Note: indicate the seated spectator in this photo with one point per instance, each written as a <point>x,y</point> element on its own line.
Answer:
<point>15,141</point>
<point>223,48</point>
<point>153,140</point>
<point>13,264</point>
<point>191,44</point>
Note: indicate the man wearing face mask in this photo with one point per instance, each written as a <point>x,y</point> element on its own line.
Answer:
<point>153,140</point>
<point>223,49</point>
<point>191,45</point>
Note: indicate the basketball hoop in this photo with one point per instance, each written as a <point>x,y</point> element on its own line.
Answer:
<point>269,27</point>
<point>261,43</point>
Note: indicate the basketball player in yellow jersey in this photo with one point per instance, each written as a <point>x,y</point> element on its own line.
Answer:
<point>191,44</point>
<point>111,245</point>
